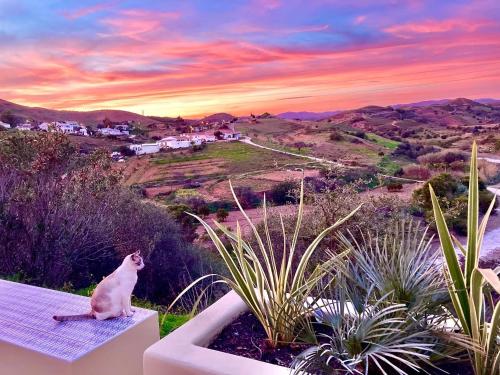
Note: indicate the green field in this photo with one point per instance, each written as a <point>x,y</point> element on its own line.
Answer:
<point>388,166</point>
<point>238,157</point>
<point>384,142</point>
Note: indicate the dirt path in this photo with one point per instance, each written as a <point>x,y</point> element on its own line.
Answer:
<point>248,141</point>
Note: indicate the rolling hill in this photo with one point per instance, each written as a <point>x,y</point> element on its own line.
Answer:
<point>88,118</point>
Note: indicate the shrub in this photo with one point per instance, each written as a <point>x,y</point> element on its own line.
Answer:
<point>247,197</point>
<point>442,158</point>
<point>336,136</point>
<point>417,172</point>
<point>126,151</point>
<point>413,151</point>
<point>283,192</point>
<point>394,186</point>
<point>221,214</point>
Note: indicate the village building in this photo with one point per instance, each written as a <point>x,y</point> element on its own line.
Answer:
<point>176,142</point>
<point>25,127</point>
<point>229,134</point>
<point>200,137</point>
<point>113,131</point>
<point>145,148</point>
<point>4,125</point>
<point>66,127</point>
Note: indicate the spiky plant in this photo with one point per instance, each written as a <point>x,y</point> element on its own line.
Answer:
<point>385,310</point>
<point>467,288</point>
<point>380,335</point>
<point>399,262</point>
<point>276,292</point>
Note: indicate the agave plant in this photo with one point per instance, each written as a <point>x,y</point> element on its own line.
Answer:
<point>276,292</point>
<point>467,288</point>
<point>385,311</point>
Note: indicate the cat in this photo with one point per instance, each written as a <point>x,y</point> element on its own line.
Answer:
<point>111,297</point>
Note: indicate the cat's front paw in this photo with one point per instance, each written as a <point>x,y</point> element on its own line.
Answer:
<point>130,313</point>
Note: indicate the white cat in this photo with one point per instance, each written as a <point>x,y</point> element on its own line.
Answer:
<point>111,297</point>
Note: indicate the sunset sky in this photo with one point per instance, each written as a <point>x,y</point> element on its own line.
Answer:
<point>198,57</point>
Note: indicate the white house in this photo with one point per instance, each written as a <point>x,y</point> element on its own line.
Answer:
<point>112,131</point>
<point>4,125</point>
<point>176,142</point>
<point>66,127</point>
<point>230,135</point>
<point>200,137</point>
<point>24,127</point>
<point>145,148</point>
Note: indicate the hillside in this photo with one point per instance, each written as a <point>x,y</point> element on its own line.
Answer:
<point>304,115</point>
<point>88,118</point>
<point>219,117</point>
<point>450,113</point>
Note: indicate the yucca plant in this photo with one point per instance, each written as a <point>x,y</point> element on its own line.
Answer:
<point>275,291</point>
<point>467,288</point>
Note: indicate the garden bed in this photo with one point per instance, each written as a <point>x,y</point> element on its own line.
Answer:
<point>245,337</point>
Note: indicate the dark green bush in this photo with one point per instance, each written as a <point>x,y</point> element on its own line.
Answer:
<point>66,219</point>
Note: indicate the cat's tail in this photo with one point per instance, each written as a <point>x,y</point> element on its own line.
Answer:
<point>65,318</point>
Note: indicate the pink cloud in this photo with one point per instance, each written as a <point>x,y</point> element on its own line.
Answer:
<point>82,12</point>
<point>133,23</point>
<point>359,19</point>
<point>433,26</point>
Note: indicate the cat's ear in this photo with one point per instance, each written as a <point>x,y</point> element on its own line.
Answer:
<point>138,253</point>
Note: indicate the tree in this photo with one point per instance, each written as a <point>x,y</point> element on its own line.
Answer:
<point>218,134</point>
<point>10,118</point>
<point>221,214</point>
<point>283,192</point>
<point>336,136</point>
<point>300,145</point>
<point>247,197</point>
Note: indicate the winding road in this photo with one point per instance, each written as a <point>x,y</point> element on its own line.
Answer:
<point>249,141</point>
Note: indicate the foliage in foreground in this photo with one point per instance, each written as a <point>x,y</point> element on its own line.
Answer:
<point>275,291</point>
<point>470,289</point>
<point>66,219</point>
<point>380,319</point>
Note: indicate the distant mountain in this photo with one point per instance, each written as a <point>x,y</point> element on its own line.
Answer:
<point>88,118</point>
<point>307,116</point>
<point>488,101</point>
<point>424,103</point>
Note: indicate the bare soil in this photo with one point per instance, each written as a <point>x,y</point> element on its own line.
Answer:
<point>246,338</point>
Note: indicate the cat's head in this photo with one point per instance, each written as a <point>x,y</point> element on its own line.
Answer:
<point>136,260</point>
